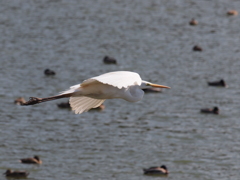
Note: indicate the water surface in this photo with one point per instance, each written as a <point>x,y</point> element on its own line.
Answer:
<point>152,38</point>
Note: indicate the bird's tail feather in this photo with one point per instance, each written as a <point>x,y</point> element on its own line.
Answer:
<point>82,104</point>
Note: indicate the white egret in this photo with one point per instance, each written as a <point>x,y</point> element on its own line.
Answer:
<point>92,92</point>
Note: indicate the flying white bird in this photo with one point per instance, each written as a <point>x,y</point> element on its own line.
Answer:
<point>92,92</point>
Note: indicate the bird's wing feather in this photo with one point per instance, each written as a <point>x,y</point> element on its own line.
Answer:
<point>82,104</point>
<point>71,89</point>
<point>119,79</point>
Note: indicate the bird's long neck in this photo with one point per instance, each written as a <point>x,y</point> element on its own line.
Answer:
<point>134,94</point>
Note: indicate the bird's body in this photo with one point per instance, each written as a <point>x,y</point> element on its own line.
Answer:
<point>232,12</point>
<point>158,170</point>
<point>214,110</point>
<point>49,72</point>
<point>33,160</point>
<point>193,22</point>
<point>220,83</point>
<point>92,92</point>
<point>16,174</point>
<point>109,60</point>
<point>98,90</point>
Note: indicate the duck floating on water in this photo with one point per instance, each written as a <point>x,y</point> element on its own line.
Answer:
<point>162,170</point>
<point>197,48</point>
<point>33,160</point>
<point>232,13</point>
<point>220,83</point>
<point>16,174</point>
<point>109,60</point>
<point>214,110</point>
<point>193,22</point>
<point>49,72</point>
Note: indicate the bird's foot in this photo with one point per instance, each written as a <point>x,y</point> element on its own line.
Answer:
<point>32,100</point>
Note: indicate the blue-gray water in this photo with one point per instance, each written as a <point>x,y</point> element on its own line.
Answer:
<point>152,38</point>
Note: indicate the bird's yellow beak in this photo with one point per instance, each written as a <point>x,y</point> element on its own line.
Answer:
<point>159,86</point>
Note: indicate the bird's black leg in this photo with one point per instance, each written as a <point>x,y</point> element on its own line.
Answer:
<point>35,100</point>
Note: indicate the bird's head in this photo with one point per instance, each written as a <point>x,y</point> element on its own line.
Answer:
<point>36,157</point>
<point>146,84</point>
<point>164,167</point>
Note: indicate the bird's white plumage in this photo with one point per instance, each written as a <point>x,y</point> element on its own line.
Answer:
<point>119,79</point>
<point>71,89</point>
<point>83,103</point>
<point>92,92</point>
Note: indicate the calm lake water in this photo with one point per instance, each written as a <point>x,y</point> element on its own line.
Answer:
<point>152,38</point>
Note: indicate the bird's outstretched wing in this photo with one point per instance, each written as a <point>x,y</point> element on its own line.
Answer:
<point>82,104</point>
<point>119,79</point>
